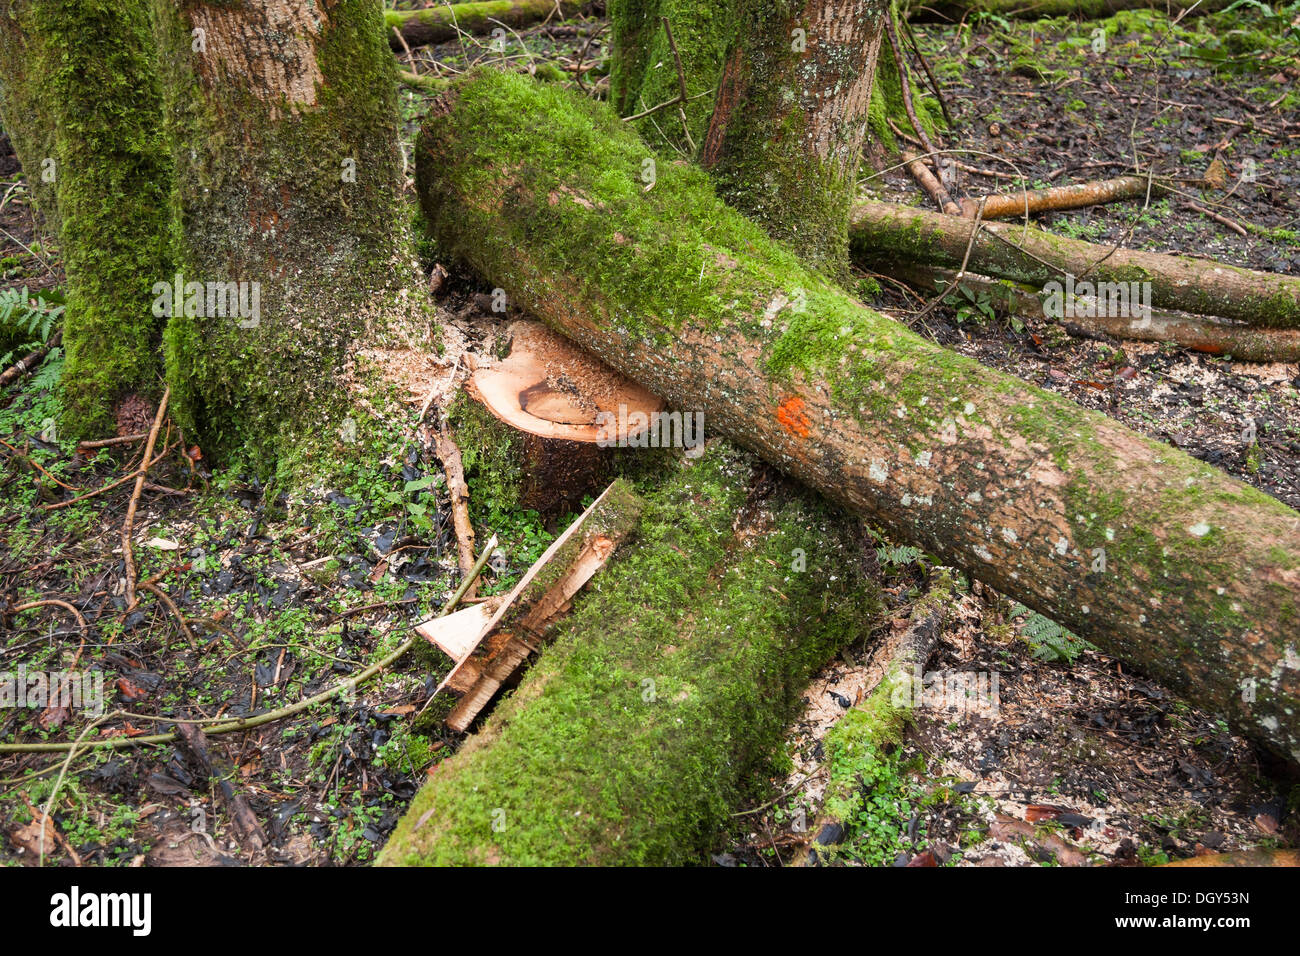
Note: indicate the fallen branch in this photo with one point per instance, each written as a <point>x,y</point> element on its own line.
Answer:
<point>29,361</point>
<point>247,828</point>
<point>1057,198</point>
<point>458,491</point>
<point>109,442</point>
<point>953,11</point>
<point>1198,333</point>
<point>884,233</point>
<point>930,183</point>
<point>127,554</point>
<point>412,28</point>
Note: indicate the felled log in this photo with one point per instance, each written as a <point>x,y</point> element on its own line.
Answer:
<point>1158,558</point>
<point>446,22</point>
<point>949,11</point>
<point>862,740</point>
<point>632,739</point>
<point>1196,332</point>
<point>884,233</point>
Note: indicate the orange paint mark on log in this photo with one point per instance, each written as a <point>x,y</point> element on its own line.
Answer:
<point>793,418</point>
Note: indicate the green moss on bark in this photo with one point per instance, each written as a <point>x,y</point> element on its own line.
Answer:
<point>997,476</point>
<point>295,186</point>
<point>633,737</point>
<point>99,96</point>
<point>643,73</point>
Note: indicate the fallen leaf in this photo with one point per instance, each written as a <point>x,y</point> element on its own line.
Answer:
<point>131,692</point>
<point>162,544</point>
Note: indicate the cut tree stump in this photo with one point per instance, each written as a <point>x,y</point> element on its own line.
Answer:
<point>569,410</point>
<point>1158,558</point>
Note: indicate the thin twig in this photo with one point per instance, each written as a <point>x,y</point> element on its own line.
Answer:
<point>127,554</point>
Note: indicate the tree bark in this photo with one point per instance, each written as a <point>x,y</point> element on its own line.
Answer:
<point>643,71</point>
<point>1156,557</point>
<point>83,108</point>
<point>282,115</point>
<point>884,233</point>
<point>442,23</point>
<point>22,113</point>
<point>785,140</point>
<point>636,734</point>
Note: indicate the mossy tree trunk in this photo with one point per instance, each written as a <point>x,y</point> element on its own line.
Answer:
<point>21,114</point>
<point>283,120</point>
<point>83,106</point>
<point>785,138</point>
<point>1156,557</point>
<point>665,693</point>
<point>643,72</point>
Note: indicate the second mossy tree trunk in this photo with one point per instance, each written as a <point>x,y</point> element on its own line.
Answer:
<point>82,104</point>
<point>785,139</point>
<point>1156,557</point>
<point>643,70</point>
<point>283,121</point>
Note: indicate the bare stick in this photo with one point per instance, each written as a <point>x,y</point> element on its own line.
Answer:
<point>127,555</point>
<point>109,442</point>
<point>452,466</point>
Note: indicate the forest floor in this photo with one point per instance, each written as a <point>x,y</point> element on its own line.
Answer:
<point>1076,761</point>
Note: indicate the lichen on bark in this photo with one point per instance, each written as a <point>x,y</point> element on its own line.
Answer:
<point>283,121</point>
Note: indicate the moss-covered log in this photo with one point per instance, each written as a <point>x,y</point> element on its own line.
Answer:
<point>446,22</point>
<point>955,10</point>
<point>665,692</point>
<point>1158,558</point>
<point>785,139</point>
<point>884,233</point>
<point>85,112</point>
<point>1196,332</point>
<point>283,120</point>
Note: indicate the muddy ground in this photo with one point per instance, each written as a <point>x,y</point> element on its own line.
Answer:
<point>1079,762</point>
